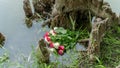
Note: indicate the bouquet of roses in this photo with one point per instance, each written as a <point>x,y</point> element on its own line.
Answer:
<point>60,39</point>
<point>53,45</point>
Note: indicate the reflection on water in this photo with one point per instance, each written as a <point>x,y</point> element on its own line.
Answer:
<point>19,37</point>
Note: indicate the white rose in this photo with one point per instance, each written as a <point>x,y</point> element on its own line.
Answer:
<point>56,45</point>
<point>52,32</point>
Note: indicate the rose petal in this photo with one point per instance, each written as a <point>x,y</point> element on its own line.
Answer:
<point>51,45</point>
<point>47,39</point>
<point>60,52</point>
<point>56,45</point>
<point>52,32</point>
<point>61,48</point>
<point>46,34</point>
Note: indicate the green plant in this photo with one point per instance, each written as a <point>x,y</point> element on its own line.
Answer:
<point>69,38</point>
<point>65,37</point>
<point>110,48</point>
<point>100,64</point>
<point>72,22</point>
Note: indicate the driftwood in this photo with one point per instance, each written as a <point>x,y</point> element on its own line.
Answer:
<point>82,12</point>
<point>2,39</point>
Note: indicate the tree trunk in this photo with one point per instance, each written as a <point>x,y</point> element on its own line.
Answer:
<point>43,7</point>
<point>42,53</point>
<point>27,8</point>
<point>82,12</point>
<point>99,27</point>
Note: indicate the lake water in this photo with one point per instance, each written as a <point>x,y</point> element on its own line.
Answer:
<point>19,38</point>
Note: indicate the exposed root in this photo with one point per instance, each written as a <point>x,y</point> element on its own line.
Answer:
<point>2,39</point>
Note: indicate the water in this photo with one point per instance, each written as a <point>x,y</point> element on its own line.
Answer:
<point>19,38</point>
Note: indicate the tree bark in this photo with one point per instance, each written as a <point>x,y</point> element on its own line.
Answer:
<point>43,7</point>
<point>42,53</point>
<point>2,39</point>
<point>27,8</point>
<point>99,27</point>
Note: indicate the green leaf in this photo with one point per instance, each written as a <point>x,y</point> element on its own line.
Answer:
<point>73,23</point>
<point>61,30</point>
<point>100,66</point>
<point>98,60</point>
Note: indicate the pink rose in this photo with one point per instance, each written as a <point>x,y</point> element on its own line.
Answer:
<point>60,52</point>
<point>46,34</point>
<point>61,47</point>
<point>47,39</point>
<point>51,45</point>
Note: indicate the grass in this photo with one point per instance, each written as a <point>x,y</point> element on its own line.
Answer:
<point>110,51</point>
<point>110,48</point>
<point>109,58</point>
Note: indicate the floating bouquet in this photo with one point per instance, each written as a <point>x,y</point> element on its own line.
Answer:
<point>60,39</point>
